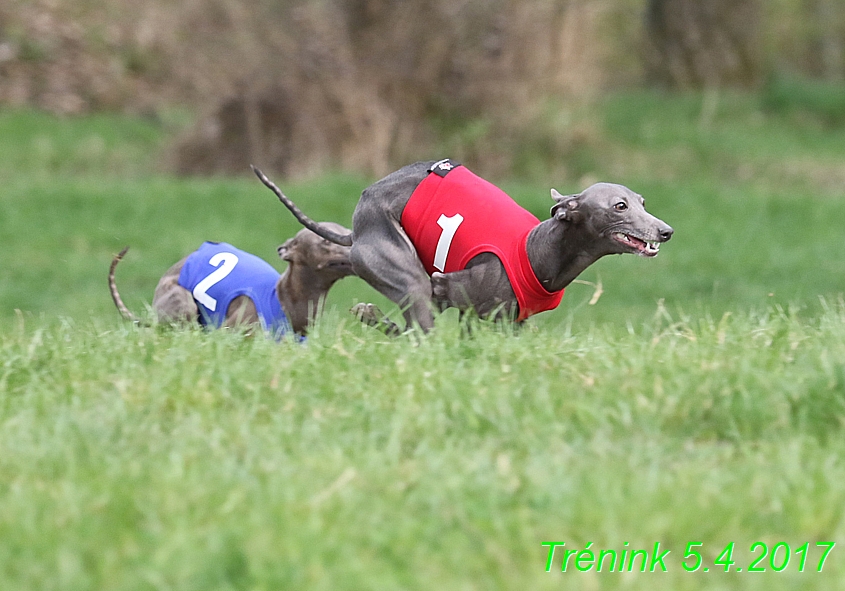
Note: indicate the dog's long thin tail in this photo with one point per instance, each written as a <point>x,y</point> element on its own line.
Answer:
<point>341,239</point>
<point>121,307</point>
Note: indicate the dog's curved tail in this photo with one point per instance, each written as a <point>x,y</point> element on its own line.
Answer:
<point>121,307</point>
<point>341,239</point>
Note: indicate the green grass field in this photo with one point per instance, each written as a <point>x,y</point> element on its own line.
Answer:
<point>700,400</point>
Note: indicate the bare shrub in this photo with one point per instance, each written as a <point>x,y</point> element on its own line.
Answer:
<point>361,82</point>
<point>302,85</point>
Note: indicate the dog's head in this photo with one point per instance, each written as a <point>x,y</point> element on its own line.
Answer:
<point>616,217</point>
<point>322,256</point>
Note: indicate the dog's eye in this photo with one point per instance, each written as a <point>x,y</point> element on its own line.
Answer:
<point>621,206</point>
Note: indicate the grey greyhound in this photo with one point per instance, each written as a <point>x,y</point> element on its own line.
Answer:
<point>401,261</point>
<point>314,265</point>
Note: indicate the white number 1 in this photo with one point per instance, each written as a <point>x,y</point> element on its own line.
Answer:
<point>450,226</point>
<point>225,261</point>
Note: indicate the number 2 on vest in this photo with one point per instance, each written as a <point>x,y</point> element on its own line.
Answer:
<point>225,263</point>
<point>450,227</point>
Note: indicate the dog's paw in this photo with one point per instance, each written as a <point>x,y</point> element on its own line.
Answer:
<point>368,314</point>
<point>439,286</point>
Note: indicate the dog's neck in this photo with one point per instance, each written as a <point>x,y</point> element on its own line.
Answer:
<point>558,252</point>
<point>301,291</point>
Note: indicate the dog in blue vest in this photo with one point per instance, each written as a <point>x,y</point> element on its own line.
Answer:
<point>219,285</point>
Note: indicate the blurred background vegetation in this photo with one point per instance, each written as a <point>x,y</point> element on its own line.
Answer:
<point>301,86</point>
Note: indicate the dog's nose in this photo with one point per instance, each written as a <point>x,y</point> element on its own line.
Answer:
<point>666,233</point>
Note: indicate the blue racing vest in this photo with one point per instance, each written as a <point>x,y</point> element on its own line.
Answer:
<point>217,273</point>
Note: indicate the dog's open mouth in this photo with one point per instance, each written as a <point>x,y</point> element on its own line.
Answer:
<point>641,247</point>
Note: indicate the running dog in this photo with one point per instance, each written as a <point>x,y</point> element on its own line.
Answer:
<point>434,235</point>
<point>220,285</point>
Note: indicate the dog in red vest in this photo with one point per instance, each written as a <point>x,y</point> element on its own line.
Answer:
<point>435,235</point>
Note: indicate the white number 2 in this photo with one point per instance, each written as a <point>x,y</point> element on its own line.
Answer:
<point>450,226</point>
<point>225,261</point>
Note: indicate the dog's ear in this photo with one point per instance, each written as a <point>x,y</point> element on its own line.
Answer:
<point>566,207</point>
<point>284,250</point>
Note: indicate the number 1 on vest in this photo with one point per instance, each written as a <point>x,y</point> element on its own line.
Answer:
<point>450,226</point>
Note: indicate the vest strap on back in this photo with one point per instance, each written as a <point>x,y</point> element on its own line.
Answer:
<point>443,167</point>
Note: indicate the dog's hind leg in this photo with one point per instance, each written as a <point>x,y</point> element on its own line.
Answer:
<point>383,256</point>
<point>173,304</point>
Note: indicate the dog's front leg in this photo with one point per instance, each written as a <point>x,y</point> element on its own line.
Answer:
<point>483,287</point>
<point>241,312</point>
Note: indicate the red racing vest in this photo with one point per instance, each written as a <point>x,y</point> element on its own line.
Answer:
<point>453,215</point>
